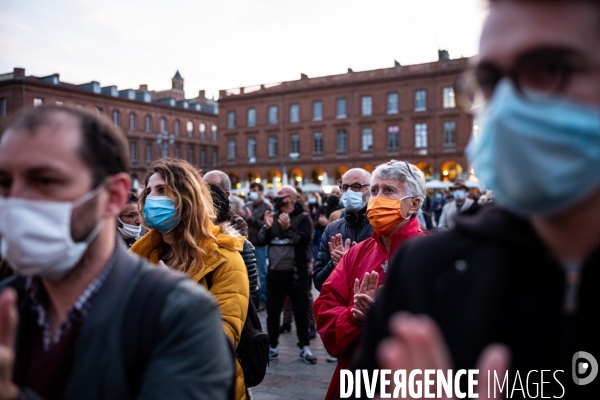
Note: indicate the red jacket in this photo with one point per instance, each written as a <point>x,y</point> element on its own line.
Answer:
<point>337,327</point>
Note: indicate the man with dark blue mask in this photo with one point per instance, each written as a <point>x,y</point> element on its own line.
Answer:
<point>514,284</point>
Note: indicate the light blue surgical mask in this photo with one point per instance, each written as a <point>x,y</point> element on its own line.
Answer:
<point>160,213</point>
<point>540,156</point>
<point>253,196</point>
<point>353,201</point>
<point>459,194</point>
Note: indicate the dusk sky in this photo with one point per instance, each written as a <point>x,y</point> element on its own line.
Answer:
<point>228,43</point>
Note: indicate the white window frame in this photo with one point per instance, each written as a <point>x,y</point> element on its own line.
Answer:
<point>390,109</point>
<point>367,139</point>
<point>421,136</point>
<point>317,110</point>
<point>366,106</point>
<point>294,113</point>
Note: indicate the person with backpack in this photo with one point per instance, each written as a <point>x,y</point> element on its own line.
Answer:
<point>83,318</point>
<point>289,235</point>
<point>178,211</point>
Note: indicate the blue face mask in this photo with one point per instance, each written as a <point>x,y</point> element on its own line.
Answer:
<point>160,214</point>
<point>459,194</point>
<point>353,201</point>
<point>540,156</point>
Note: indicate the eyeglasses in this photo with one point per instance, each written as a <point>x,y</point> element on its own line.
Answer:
<point>399,163</point>
<point>356,187</point>
<point>132,215</point>
<point>541,72</point>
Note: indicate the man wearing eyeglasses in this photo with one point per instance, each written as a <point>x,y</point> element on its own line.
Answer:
<point>128,223</point>
<point>514,286</point>
<point>353,228</point>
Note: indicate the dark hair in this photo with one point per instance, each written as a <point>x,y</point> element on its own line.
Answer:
<point>103,146</point>
<point>132,198</point>
<point>259,186</point>
<point>221,203</point>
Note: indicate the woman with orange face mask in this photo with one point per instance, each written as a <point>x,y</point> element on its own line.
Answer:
<point>397,192</point>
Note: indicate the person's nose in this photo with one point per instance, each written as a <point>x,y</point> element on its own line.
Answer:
<point>136,219</point>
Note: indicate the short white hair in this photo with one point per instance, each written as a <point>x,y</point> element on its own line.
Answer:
<point>408,174</point>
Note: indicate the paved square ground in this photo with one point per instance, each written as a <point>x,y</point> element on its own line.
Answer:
<point>288,377</point>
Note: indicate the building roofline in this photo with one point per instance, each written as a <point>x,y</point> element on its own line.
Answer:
<point>73,89</point>
<point>358,78</point>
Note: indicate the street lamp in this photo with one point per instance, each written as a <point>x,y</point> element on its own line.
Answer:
<point>165,142</point>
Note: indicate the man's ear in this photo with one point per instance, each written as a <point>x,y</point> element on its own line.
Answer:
<point>227,193</point>
<point>118,187</point>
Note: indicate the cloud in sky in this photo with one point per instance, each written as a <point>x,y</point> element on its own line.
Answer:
<point>222,44</point>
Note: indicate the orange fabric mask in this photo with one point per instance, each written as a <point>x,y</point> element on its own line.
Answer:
<point>384,214</point>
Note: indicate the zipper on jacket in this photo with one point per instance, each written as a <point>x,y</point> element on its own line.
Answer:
<point>572,282</point>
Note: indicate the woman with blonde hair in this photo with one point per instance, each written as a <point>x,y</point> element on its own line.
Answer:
<point>178,211</point>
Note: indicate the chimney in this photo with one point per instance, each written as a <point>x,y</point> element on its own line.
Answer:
<point>202,95</point>
<point>143,88</point>
<point>396,64</point>
<point>19,73</point>
<point>350,70</point>
<point>222,94</point>
<point>303,76</point>
<point>443,55</point>
<point>241,90</point>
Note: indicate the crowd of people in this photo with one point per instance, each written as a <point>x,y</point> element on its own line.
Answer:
<point>111,294</point>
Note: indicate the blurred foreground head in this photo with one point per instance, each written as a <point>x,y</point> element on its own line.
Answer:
<point>536,91</point>
<point>63,181</point>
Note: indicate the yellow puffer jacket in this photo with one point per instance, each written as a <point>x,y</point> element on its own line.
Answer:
<point>229,282</point>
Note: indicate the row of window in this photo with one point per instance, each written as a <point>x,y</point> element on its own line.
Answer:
<point>393,141</point>
<point>191,154</point>
<point>189,126</point>
<point>3,107</point>
<point>133,121</point>
<point>366,108</point>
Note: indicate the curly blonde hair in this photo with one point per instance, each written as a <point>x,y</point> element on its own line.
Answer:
<point>194,206</point>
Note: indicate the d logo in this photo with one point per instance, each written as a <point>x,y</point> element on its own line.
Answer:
<point>584,363</point>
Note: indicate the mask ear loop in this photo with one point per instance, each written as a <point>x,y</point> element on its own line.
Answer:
<point>409,197</point>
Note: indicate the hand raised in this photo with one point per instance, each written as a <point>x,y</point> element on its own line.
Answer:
<point>323,220</point>
<point>268,218</point>
<point>284,221</point>
<point>416,342</point>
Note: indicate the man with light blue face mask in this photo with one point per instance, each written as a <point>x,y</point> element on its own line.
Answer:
<point>516,282</point>
<point>460,204</point>
<point>353,228</point>
<point>80,304</point>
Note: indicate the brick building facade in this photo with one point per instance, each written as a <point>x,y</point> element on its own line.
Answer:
<point>314,129</point>
<point>141,114</point>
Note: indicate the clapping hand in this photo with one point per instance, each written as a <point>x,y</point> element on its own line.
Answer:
<point>268,219</point>
<point>417,343</point>
<point>364,295</point>
<point>284,221</point>
<point>246,213</point>
<point>323,220</point>
<point>337,248</point>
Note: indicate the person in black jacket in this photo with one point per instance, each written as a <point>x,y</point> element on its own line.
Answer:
<point>514,285</point>
<point>353,228</point>
<point>224,215</point>
<point>288,234</point>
